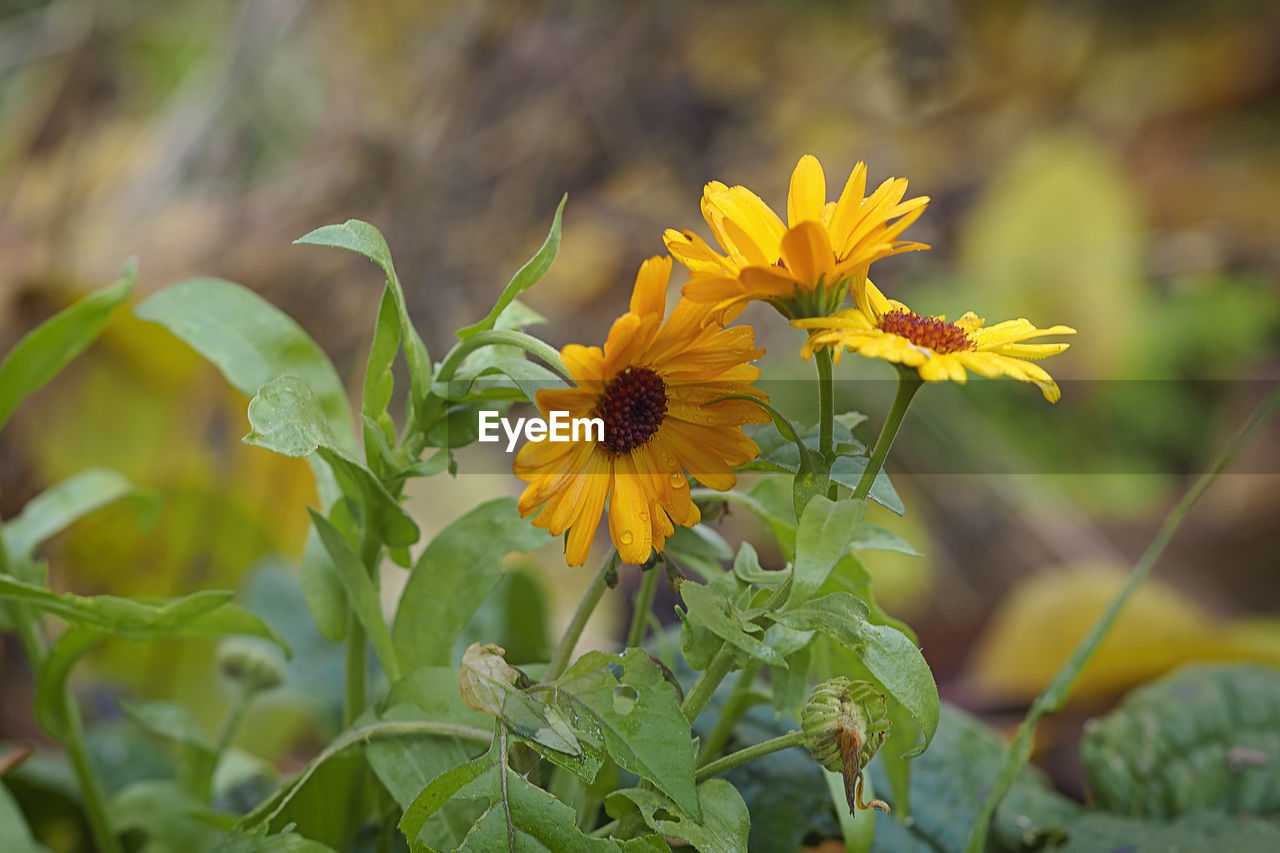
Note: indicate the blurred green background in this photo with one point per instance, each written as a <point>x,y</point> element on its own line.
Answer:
<point>1111,166</point>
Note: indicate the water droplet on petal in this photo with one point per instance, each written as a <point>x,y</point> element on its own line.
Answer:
<point>677,480</point>
<point>671,462</point>
<point>626,537</point>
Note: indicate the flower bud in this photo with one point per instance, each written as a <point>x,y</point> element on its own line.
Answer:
<point>845,722</point>
<point>251,665</point>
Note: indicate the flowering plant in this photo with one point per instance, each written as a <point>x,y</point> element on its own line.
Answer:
<point>446,743</point>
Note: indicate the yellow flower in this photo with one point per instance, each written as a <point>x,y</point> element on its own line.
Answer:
<point>803,268</point>
<point>650,385</point>
<point>939,349</point>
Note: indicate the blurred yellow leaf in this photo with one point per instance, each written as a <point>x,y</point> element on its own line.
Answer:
<point>1037,626</point>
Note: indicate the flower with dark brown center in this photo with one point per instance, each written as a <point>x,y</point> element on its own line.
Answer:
<point>632,407</point>
<point>931,333</point>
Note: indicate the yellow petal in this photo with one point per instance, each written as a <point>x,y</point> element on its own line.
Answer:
<point>807,252</point>
<point>629,519</point>
<point>808,193</point>
<point>650,293</point>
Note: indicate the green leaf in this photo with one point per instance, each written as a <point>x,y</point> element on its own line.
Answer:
<point>282,842</point>
<point>56,508</point>
<point>361,593</point>
<point>364,239</point>
<point>285,417</point>
<point>847,471</point>
<point>526,277</point>
<point>406,765</point>
<point>252,342</point>
<point>488,683</point>
<point>746,565</point>
<point>205,614</point>
<point>1203,739</point>
<point>15,836</point>
<point>723,828</point>
<point>378,380</point>
<point>839,614</point>
<point>456,572</point>
<point>168,720</point>
<point>873,537</point>
<point>638,716</point>
<point>46,349</point>
<point>441,789</point>
<point>859,835</point>
<point>823,537</point>
<point>896,663</point>
<point>530,378</point>
<point>162,816</point>
<point>719,614</point>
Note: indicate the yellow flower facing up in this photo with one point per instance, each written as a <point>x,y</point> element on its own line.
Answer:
<point>801,268</point>
<point>938,349</point>
<point>651,385</point>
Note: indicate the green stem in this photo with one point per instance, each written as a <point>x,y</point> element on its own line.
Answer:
<point>738,703</point>
<point>751,753</point>
<point>826,406</point>
<point>498,337</point>
<point>642,605</point>
<point>1059,689</point>
<point>705,685</point>
<point>909,382</point>
<point>357,655</point>
<point>95,807</point>
<point>271,807</point>
<point>590,598</point>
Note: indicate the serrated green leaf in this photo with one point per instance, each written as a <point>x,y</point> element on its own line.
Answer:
<point>526,277</point>
<point>638,715</point>
<point>361,593</point>
<point>56,508</point>
<point>441,789</point>
<point>723,827</point>
<point>822,538</point>
<point>719,614</point>
<point>47,348</point>
<point>406,765</point>
<point>285,417</point>
<point>456,572</point>
<point>364,239</point>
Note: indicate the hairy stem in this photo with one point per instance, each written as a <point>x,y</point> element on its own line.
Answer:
<point>909,382</point>
<point>642,605</point>
<point>705,685</point>
<point>751,753</point>
<point>738,703</point>
<point>590,598</point>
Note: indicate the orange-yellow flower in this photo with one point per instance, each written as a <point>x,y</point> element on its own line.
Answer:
<point>802,268</point>
<point>938,349</point>
<point>652,384</point>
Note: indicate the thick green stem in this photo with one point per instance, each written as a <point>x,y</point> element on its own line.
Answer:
<point>705,685</point>
<point>357,640</point>
<point>95,802</point>
<point>590,598</point>
<point>826,406</point>
<point>909,382</point>
<point>1059,690</point>
<point>751,753</point>
<point>498,337</point>
<point>739,701</point>
<point>642,605</point>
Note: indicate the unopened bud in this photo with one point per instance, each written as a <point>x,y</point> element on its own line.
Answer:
<point>845,722</point>
<point>253,666</point>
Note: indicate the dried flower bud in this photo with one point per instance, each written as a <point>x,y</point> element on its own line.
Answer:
<point>845,722</point>
<point>251,665</point>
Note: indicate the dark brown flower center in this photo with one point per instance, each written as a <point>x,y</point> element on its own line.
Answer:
<point>929,332</point>
<point>632,407</point>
